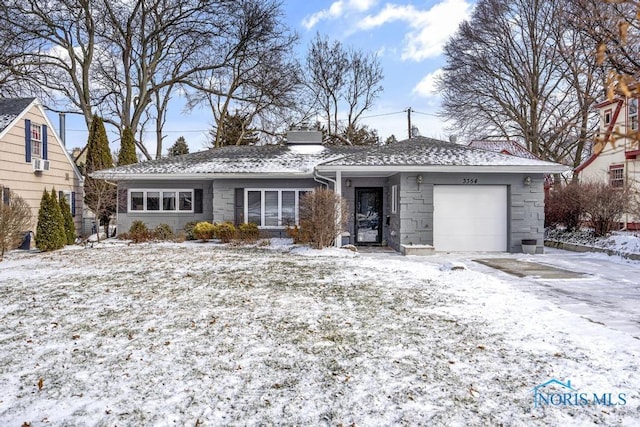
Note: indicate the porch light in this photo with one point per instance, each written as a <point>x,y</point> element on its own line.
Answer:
<point>419,179</point>
<point>527,181</point>
<point>348,183</point>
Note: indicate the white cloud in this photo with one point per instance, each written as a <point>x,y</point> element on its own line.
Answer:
<point>336,10</point>
<point>427,86</point>
<point>430,29</point>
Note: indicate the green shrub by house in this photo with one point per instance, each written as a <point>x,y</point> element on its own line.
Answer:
<point>139,232</point>
<point>69,226</point>
<point>204,231</point>
<point>248,232</point>
<point>163,232</point>
<point>50,233</point>
<point>225,231</point>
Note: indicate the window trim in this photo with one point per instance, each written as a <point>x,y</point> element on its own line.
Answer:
<point>161,192</point>
<point>394,199</point>
<point>613,180</point>
<point>36,142</point>
<point>634,115</point>
<point>262,191</point>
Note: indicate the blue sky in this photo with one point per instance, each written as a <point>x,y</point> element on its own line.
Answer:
<point>407,35</point>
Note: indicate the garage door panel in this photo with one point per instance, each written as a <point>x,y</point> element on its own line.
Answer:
<point>470,218</point>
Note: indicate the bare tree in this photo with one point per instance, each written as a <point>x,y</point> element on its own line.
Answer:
<point>517,71</point>
<point>260,77</point>
<point>57,41</point>
<point>342,80</point>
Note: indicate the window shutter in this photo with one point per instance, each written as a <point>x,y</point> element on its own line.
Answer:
<point>197,202</point>
<point>27,141</point>
<point>239,206</point>
<point>122,200</point>
<point>44,142</point>
<point>6,196</point>
<point>73,203</point>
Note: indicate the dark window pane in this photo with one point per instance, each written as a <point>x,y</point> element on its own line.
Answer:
<point>153,201</point>
<point>168,201</point>
<point>288,208</point>
<point>185,201</point>
<point>137,201</point>
<point>271,208</point>
<point>254,207</point>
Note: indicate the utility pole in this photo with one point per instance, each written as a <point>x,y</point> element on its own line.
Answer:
<point>409,122</point>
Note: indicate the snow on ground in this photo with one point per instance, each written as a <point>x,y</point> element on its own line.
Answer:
<point>202,334</point>
<point>626,242</point>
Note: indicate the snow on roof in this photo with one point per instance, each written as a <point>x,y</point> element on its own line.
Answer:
<point>236,160</point>
<point>505,147</point>
<point>10,108</point>
<point>422,151</point>
<point>282,159</point>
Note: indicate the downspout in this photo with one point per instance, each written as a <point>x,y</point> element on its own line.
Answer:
<point>337,188</point>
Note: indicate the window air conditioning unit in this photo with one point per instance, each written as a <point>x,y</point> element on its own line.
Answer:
<point>40,165</point>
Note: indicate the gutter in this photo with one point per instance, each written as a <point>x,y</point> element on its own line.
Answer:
<point>318,178</point>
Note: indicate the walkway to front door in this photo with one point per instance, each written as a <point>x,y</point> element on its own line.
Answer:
<point>368,216</point>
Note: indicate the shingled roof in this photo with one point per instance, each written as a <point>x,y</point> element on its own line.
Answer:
<point>283,160</point>
<point>235,160</point>
<point>503,146</point>
<point>421,151</point>
<point>10,108</point>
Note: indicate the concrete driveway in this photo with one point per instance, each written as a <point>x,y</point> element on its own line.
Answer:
<point>607,291</point>
<point>603,289</point>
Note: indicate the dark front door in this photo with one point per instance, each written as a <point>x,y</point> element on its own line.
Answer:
<point>368,216</point>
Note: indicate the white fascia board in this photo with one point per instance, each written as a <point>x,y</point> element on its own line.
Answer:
<point>197,176</point>
<point>551,168</point>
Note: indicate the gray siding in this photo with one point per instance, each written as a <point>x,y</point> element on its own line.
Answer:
<point>175,220</point>
<point>224,195</point>
<point>525,204</point>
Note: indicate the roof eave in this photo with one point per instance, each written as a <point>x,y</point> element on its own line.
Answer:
<point>196,176</point>
<point>550,168</point>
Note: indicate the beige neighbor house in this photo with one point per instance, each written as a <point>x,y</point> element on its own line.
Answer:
<point>33,158</point>
<point>616,153</point>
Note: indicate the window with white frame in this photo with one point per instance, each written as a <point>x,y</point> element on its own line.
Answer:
<point>160,200</point>
<point>273,208</point>
<point>394,199</point>
<point>616,176</point>
<point>36,140</point>
<point>633,114</point>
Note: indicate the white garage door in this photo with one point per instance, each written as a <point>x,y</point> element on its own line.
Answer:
<point>470,218</point>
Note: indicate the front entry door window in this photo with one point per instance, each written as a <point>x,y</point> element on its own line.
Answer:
<point>368,215</point>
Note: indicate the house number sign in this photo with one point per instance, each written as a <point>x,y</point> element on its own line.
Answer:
<point>469,180</point>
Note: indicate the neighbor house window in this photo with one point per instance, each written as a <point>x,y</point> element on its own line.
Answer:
<point>272,208</point>
<point>36,140</point>
<point>633,114</point>
<point>161,200</point>
<point>616,176</point>
<point>394,199</point>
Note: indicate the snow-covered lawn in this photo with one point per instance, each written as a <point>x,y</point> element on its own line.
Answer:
<point>624,242</point>
<point>200,334</point>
